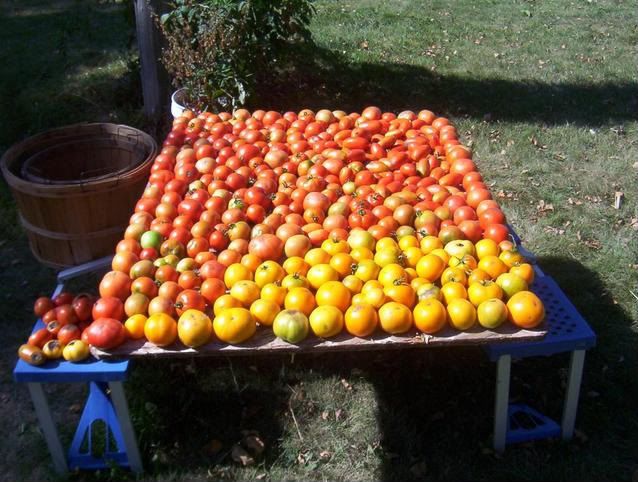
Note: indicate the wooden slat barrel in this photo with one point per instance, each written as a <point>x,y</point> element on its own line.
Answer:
<point>75,188</point>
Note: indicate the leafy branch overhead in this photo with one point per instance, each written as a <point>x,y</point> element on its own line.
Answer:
<point>217,48</point>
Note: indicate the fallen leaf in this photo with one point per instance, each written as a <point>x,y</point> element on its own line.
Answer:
<point>240,456</point>
<point>364,45</point>
<point>553,230</point>
<point>261,476</point>
<point>537,144</point>
<point>634,223</point>
<point>75,408</point>
<point>324,455</point>
<point>543,207</point>
<point>346,385</point>
<point>324,415</point>
<point>338,413</point>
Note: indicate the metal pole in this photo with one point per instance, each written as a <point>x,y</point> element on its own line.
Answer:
<point>501,402</point>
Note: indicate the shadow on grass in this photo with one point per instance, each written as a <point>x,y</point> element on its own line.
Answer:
<point>324,79</point>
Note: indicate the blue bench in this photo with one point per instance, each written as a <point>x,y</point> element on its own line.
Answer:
<point>106,402</point>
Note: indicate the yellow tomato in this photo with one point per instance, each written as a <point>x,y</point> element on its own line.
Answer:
<point>246,292</point>
<point>264,311</point>
<point>493,266</point>
<point>135,326</point>
<point>236,272</point>
<point>374,297</point>
<point>491,313</point>
<point>418,282</point>
<point>360,238</point>
<point>268,272</point>
<point>353,283</point>
<point>294,281</point>
<point>274,292</point>
<point>427,291</point>
<point>461,314</point>
<point>391,273</point>
<point>234,325</point>
<point>525,271</point>
<point>251,261</point>
<point>411,273</point>
<point>224,302</point>
<point>395,318</point>
<point>160,329</point>
<point>358,299</point>
<point>430,316</point>
<point>368,285</point>
<point>326,321</point>
<point>342,264</point>
<point>386,243</point>
<point>296,264</point>
<point>430,267</point>
<point>384,257</point>
<point>361,320</point>
<point>320,274</point>
<point>441,253</point>
<point>194,328</point>
<point>408,242</point>
<point>482,291</point>
<point>486,247</point>
<point>411,256</point>
<point>452,291</point>
<point>430,243</point>
<point>359,254</point>
<point>367,270</point>
<point>317,256</point>
<point>454,274</point>
<point>476,276</point>
<point>332,246</point>
<point>300,299</point>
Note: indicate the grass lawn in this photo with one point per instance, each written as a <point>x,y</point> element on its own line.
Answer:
<point>547,95</point>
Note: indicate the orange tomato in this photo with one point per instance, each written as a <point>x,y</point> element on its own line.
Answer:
<point>333,293</point>
<point>326,321</point>
<point>300,299</point>
<point>342,263</point>
<point>411,256</point>
<point>454,275</point>
<point>430,316</point>
<point>395,318</point>
<point>317,256</point>
<point>264,311</point>
<point>467,262</point>
<point>526,310</point>
<point>353,283</point>
<point>453,291</point>
<point>160,329</point>
<point>367,270</point>
<point>430,267</point>
<point>359,254</point>
<point>375,297</point>
<point>391,273</point>
<point>461,314</point>
<point>296,264</point>
<point>441,253</point>
<point>493,266</point>
<point>524,270</point>
<point>251,261</point>
<point>268,272</point>
<point>333,247</point>
<point>476,276</point>
<point>401,293</point>
<point>430,243</point>
<point>135,326</point>
<point>511,257</point>
<point>234,325</point>
<point>361,320</point>
<point>294,281</point>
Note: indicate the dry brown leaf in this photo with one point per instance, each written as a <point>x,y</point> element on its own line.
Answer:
<point>338,413</point>
<point>364,45</point>
<point>324,415</point>
<point>324,455</point>
<point>346,385</point>
<point>553,230</point>
<point>254,444</point>
<point>537,144</point>
<point>543,207</point>
<point>634,223</point>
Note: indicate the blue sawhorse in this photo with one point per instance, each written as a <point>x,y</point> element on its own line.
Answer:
<point>106,402</point>
<point>567,331</point>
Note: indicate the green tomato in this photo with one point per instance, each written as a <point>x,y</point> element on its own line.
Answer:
<point>151,239</point>
<point>291,326</point>
<point>75,351</point>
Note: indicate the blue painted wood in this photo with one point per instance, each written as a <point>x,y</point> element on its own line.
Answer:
<point>98,407</point>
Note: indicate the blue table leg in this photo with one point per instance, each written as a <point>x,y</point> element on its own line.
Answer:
<point>121,408</point>
<point>501,401</point>
<point>576,364</point>
<point>48,427</point>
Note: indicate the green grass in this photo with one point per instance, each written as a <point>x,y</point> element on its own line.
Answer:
<point>546,93</point>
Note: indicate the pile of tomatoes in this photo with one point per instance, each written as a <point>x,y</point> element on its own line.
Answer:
<point>312,221</point>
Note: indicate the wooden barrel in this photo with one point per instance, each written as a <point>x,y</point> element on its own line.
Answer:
<point>75,188</point>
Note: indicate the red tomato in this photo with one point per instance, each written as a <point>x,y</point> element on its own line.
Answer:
<point>108,307</point>
<point>106,333</point>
